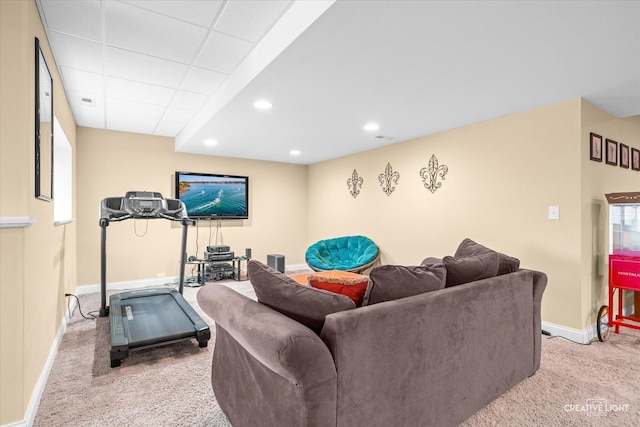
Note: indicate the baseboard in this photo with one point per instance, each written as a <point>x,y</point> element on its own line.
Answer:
<point>34,402</point>
<point>583,336</point>
<point>145,283</point>
<point>294,267</point>
<point>127,285</point>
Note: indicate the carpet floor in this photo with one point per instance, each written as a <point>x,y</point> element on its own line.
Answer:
<point>577,385</point>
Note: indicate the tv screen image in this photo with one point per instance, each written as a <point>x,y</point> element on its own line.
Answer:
<point>213,195</point>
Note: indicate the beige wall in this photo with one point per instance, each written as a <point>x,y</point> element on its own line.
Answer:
<point>37,265</point>
<point>503,175</point>
<point>112,163</point>
<point>599,179</point>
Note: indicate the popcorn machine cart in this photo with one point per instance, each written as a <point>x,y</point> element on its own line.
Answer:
<point>624,263</point>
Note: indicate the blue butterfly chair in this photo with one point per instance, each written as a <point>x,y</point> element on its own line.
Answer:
<point>347,253</point>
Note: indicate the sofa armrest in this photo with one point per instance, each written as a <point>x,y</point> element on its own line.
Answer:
<point>281,344</point>
<point>539,285</point>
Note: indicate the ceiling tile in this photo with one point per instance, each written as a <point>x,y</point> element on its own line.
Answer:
<point>140,30</point>
<point>194,11</point>
<point>178,115</point>
<point>169,128</point>
<point>142,68</point>
<point>135,91</point>
<point>78,18</point>
<point>222,52</point>
<point>122,108</point>
<point>82,81</point>
<point>76,53</point>
<point>202,81</point>
<point>188,100</point>
<point>250,19</point>
<point>133,124</point>
<point>87,116</point>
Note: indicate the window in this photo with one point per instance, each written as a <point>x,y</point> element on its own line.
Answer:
<point>62,176</point>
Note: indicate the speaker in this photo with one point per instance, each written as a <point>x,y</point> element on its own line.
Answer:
<point>247,253</point>
<point>276,262</point>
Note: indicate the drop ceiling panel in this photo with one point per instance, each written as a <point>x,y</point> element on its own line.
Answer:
<point>143,68</point>
<point>178,115</point>
<point>250,19</point>
<point>197,12</point>
<point>76,53</point>
<point>136,91</point>
<point>222,53</point>
<point>147,32</point>
<point>79,18</point>
<point>168,128</point>
<point>82,81</point>
<point>202,81</point>
<point>188,100</point>
<point>87,116</point>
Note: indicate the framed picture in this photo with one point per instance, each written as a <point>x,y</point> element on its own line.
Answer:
<point>635,159</point>
<point>624,156</point>
<point>612,152</point>
<point>596,147</point>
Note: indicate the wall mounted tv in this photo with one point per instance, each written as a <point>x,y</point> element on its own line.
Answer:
<point>213,196</point>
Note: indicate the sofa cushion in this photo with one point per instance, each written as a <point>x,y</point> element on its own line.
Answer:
<point>390,282</point>
<point>304,304</point>
<point>351,285</point>
<point>506,264</point>
<point>464,269</point>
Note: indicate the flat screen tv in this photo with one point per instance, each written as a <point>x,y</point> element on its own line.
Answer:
<point>213,196</point>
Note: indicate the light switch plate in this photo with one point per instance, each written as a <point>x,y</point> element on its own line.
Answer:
<point>554,212</point>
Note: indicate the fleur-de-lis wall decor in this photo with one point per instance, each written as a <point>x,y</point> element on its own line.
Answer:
<point>387,179</point>
<point>430,174</point>
<point>355,184</point>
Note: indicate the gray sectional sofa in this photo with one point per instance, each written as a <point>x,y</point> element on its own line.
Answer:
<point>430,358</point>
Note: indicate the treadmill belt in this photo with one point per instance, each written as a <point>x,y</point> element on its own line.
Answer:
<point>153,319</point>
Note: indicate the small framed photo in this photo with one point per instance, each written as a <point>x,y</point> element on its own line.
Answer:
<point>612,152</point>
<point>635,159</point>
<point>596,147</point>
<point>624,156</point>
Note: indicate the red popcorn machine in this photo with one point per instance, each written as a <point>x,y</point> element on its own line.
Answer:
<point>624,263</point>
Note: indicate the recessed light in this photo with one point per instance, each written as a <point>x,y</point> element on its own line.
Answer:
<point>294,152</point>
<point>371,126</point>
<point>262,104</point>
<point>210,142</point>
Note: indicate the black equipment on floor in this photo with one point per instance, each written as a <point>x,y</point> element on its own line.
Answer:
<point>147,317</point>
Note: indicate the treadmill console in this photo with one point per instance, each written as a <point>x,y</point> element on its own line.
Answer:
<point>141,204</point>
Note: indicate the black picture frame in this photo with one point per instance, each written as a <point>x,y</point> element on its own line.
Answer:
<point>595,147</point>
<point>624,156</point>
<point>43,127</point>
<point>612,152</point>
<point>635,159</point>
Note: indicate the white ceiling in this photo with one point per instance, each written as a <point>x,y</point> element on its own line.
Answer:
<point>192,69</point>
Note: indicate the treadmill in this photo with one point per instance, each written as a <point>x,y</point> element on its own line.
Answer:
<point>147,317</point>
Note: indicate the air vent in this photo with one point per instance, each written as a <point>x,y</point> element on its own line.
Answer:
<point>384,137</point>
<point>87,102</point>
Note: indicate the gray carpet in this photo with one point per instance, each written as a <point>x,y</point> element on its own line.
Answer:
<point>170,385</point>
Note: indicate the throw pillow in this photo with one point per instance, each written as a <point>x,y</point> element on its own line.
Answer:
<point>506,264</point>
<point>464,269</point>
<point>341,282</point>
<point>390,282</point>
<point>304,304</point>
